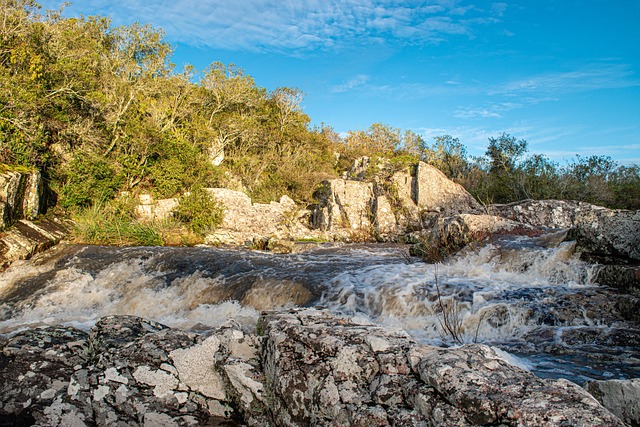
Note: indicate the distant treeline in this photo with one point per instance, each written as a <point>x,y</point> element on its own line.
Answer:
<point>100,110</point>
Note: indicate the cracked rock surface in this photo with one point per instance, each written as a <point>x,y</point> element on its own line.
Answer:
<point>303,367</point>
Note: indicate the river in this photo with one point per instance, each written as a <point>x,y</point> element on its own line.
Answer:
<point>532,298</point>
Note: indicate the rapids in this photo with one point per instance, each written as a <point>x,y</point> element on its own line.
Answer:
<point>530,297</point>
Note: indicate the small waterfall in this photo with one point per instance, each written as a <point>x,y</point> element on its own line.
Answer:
<point>489,293</point>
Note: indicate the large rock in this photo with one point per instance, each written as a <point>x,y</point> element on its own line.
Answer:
<point>598,230</point>
<point>622,397</point>
<point>243,221</point>
<point>26,238</point>
<point>302,367</point>
<point>451,233</point>
<point>393,204</point>
<point>345,205</point>
<point>20,196</point>
<point>433,191</point>
<point>326,370</point>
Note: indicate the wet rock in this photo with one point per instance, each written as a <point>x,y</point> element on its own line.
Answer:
<point>622,397</point>
<point>279,246</point>
<point>598,230</point>
<point>450,234</point>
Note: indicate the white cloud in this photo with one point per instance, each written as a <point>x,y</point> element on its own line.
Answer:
<point>293,25</point>
<point>492,110</point>
<point>354,82</point>
<point>590,77</point>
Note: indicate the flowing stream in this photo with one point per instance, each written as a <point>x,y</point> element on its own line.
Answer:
<point>530,297</point>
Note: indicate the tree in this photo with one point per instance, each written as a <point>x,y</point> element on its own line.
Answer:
<point>503,154</point>
<point>449,155</point>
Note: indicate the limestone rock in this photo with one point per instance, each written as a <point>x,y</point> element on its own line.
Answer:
<point>622,397</point>
<point>327,370</point>
<point>243,221</point>
<point>344,204</point>
<point>385,220</point>
<point>489,391</point>
<point>305,367</point>
<point>409,214</point>
<point>433,191</point>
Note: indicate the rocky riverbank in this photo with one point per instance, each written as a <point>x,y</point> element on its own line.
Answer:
<point>301,367</point>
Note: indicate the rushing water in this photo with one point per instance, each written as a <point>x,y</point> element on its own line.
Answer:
<point>530,297</point>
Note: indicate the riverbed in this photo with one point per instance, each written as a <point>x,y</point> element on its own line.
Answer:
<point>531,298</point>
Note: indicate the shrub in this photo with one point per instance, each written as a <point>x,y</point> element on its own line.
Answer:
<point>199,211</point>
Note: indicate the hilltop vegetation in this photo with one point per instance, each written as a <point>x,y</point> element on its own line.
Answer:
<point>101,110</point>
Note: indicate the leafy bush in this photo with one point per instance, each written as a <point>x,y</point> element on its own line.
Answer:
<point>199,211</point>
<point>90,180</point>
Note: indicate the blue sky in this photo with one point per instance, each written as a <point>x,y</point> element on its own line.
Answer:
<point>562,74</point>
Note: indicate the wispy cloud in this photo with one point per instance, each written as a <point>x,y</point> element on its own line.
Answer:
<point>590,77</point>
<point>494,110</point>
<point>297,25</point>
<point>352,83</point>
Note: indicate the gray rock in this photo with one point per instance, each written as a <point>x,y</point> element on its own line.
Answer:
<point>304,367</point>
<point>451,233</point>
<point>598,230</point>
<point>622,397</point>
<point>20,196</point>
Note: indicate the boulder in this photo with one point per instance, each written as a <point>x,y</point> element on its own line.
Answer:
<point>433,191</point>
<point>344,205</point>
<point>243,221</point>
<point>301,367</point>
<point>622,397</point>
<point>452,233</point>
<point>403,186</point>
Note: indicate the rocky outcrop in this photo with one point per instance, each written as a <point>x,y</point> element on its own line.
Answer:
<point>20,196</point>
<point>604,236</point>
<point>597,230</point>
<point>243,221</point>
<point>344,205</point>
<point>433,191</point>
<point>622,397</point>
<point>388,207</point>
<point>26,238</point>
<point>302,367</point>
<point>452,233</point>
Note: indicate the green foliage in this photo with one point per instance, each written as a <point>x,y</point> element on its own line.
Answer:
<point>91,180</point>
<point>100,110</point>
<point>113,223</point>
<point>449,155</point>
<point>199,211</point>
